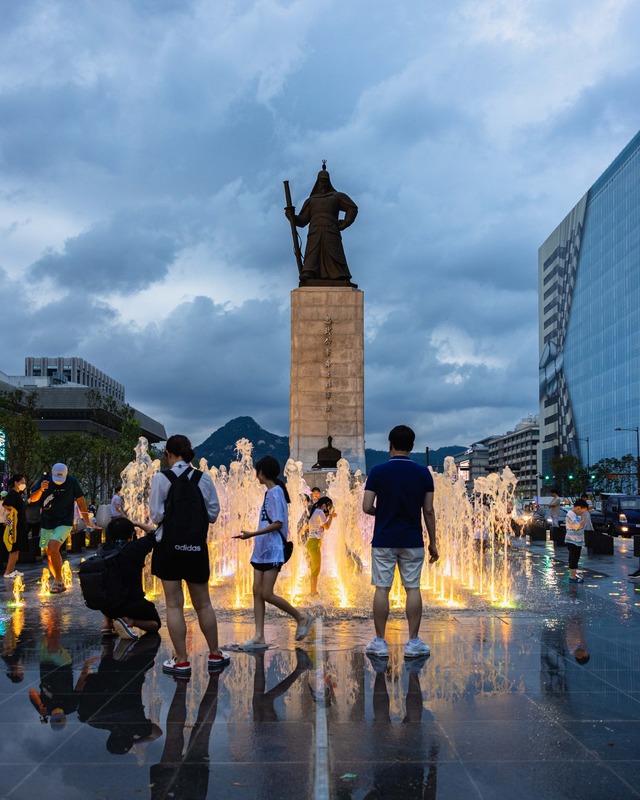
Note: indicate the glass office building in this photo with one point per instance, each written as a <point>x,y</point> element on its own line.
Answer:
<point>589,313</point>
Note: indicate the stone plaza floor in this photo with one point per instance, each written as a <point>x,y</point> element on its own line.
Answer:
<point>501,709</point>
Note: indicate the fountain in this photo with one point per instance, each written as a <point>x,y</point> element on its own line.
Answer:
<point>67,577</point>
<point>44,583</point>
<point>18,591</point>
<point>473,536</point>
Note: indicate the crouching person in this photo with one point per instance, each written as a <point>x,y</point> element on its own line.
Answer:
<point>134,611</point>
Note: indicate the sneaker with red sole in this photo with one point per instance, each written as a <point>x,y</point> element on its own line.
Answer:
<point>217,661</point>
<point>181,669</point>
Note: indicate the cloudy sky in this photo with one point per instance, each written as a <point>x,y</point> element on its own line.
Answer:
<point>143,145</point>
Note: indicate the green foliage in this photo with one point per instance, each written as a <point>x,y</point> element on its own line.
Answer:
<point>96,460</point>
<point>26,450</point>
<point>615,474</point>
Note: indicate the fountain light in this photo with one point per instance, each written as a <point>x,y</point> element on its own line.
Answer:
<point>18,590</point>
<point>44,583</point>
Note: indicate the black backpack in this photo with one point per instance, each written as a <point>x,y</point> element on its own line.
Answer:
<point>101,578</point>
<point>185,523</point>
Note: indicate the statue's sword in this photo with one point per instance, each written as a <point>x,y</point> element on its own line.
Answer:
<point>294,231</point>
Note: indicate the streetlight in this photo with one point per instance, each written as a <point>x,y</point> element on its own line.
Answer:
<point>637,432</point>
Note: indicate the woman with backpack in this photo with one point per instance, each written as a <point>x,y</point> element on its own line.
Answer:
<point>187,562</point>
<point>268,553</point>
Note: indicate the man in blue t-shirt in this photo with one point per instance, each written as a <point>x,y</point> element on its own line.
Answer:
<point>399,494</point>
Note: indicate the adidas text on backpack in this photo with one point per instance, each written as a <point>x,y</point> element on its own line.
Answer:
<point>101,578</point>
<point>185,523</point>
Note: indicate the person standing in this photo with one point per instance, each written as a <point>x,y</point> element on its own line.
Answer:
<point>397,494</point>
<point>58,491</point>
<point>554,511</point>
<point>15,506</point>
<point>192,568</point>
<point>574,537</point>
<point>268,553</point>
<point>320,519</point>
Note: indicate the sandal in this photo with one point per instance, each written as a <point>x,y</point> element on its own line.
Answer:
<point>251,646</point>
<point>303,628</point>
<point>58,588</point>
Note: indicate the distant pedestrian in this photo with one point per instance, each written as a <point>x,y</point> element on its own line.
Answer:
<point>268,553</point>
<point>320,519</point>
<point>192,568</point>
<point>117,508</point>
<point>574,537</point>
<point>14,506</point>
<point>398,494</point>
<point>554,511</point>
<point>58,491</point>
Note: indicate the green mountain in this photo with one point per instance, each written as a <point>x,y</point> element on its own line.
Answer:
<point>220,448</point>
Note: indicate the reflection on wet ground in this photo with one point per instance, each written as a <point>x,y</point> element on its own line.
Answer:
<point>539,701</point>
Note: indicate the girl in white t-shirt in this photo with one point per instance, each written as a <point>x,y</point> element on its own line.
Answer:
<point>268,553</point>
<point>320,519</point>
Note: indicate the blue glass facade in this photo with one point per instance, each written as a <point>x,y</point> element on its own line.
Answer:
<point>590,320</point>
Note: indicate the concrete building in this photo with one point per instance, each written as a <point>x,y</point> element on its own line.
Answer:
<point>518,450</point>
<point>59,370</point>
<point>589,318</point>
<point>474,462</point>
<point>67,407</point>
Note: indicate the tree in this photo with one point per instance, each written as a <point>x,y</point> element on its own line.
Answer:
<point>25,446</point>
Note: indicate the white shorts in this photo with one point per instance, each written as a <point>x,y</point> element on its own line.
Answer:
<point>408,559</point>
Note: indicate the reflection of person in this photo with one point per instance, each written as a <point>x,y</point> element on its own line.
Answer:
<point>401,778</point>
<point>57,697</point>
<point>268,552</point>
<point>58,492</point>
<point>396,494</point>
<point>111,698</point>
<point>14,505</point>
<point>324,256</point>
<point>13,650</point>
<point>263,699</point>
<point>574,537</point>
<point>193,568</point>
<point>135,611</point>
<point>320,519</point>
<point>186,774</point>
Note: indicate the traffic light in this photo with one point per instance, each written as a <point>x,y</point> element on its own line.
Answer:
<point>592,477</point>
<point>570,477</point>
<point>547,477</point>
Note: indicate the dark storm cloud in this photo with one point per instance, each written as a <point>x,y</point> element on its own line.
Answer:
<point>128,253</point>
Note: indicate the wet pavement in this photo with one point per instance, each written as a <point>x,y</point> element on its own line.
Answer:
<point>501,709</point>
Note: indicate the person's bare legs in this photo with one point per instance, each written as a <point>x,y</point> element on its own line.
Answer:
<point>258,607</point>
<point>207,619</point>
<point>176,625</point>
<point>146,625</point>
<point>413,609</point>
<point>11,563</point>
<point>268,582</point>
<point>381,609</point>
<point>55,559</point>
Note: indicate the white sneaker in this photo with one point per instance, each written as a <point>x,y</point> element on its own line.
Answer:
<point>378,647</point>
<point>416,648</point>
<point>14,574</point>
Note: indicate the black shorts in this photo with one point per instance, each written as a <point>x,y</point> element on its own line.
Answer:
<point>266,567</point>
<point>192,568</point>
<point>142,609</point>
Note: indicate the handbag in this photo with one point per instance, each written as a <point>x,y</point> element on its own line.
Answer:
<point>287,546</point>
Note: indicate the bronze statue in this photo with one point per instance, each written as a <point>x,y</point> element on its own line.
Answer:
<point>324,258</point>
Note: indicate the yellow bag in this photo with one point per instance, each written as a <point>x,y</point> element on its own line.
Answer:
<point>10,528</point>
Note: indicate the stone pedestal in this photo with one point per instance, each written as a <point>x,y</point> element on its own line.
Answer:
<point>327,373</point>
